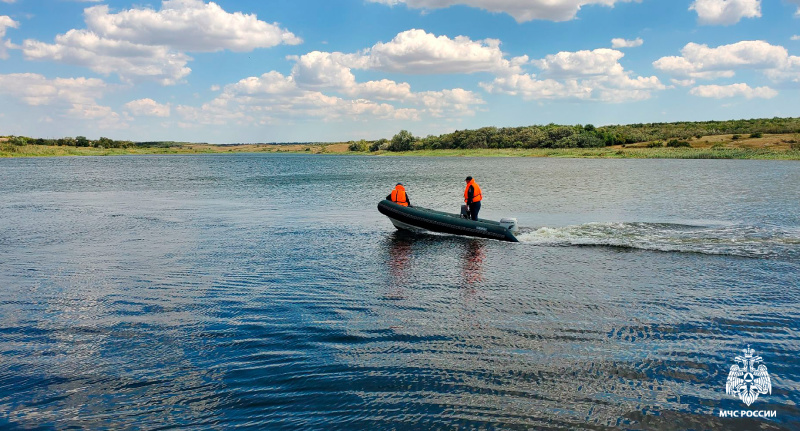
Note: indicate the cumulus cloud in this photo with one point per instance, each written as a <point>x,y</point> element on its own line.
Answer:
<point>145,44</point>
<point>521,10</point>
<point>188,25</point>
<point>255,103</point>
<point>35,89</point>
<point>103,116</point>
<point>725,12</point>
<point>701,62</point>
<point>530,88</point>
<point>76,97</point>
<point>147,108</point>
<point>324,70</point>
<point>601,61</point>
<point>5,22</point>
<point>447,102</point>
<point>624,43</point>
<point>131,61</point>
<point>683,82</point>
<point>323,86</point>
<point>733,90</point>
<point>268,83</point>
<point>796,37</point>
<point>418,52</point>
<point>583,75</point>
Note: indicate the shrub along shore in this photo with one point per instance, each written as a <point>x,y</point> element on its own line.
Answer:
<point>776,138</point>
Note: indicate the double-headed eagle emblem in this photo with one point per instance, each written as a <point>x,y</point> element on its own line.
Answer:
<point>748,382</point>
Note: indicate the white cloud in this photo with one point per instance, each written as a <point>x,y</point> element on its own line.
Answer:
<point>624,43</point>
<point>384,89</point>
<point>269,83</point>
<point>128,60</point>
<point>418,52</point>
<point>93,112</point>
<point>147,108</point>
<point>521,10</point>
<point>75,97</point>
<point>274,98</point>
<point>601,61</point>
<point>583,75</point>
<point>267,108</point>
<point>5,22</point>
<point>681,67</point>
<point>530,88</point>
<point>796,37</point>
<point>789,73</point>
<point>733,90</point>
<point>683,82</point>
<point>324,70</point>
<point>725,12</point>
<point>701,62</point>
<point>450,102</point>
<point>35,89</point>
<point>188,25</point>
<point>332,71</point>
<point>144,44</point>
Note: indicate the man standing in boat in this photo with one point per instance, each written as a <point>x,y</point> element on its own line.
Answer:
<point>473,197</point>
<point>399,196</point>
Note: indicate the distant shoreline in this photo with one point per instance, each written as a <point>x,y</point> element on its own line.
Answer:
<point>768,147</point>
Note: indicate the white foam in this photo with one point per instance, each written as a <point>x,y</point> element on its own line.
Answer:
<point>724,239</point>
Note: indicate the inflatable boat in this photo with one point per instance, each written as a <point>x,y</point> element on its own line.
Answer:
<point>421,219</point>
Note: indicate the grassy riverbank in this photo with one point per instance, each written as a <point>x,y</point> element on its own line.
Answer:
<point>766,147</point>
<point>7,150</point>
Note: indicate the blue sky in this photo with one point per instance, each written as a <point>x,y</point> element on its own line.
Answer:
<point>324,70</point>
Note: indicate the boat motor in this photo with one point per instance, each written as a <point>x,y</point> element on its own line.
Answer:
<point>509,223</point>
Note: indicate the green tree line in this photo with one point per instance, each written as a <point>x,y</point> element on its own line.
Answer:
<point>577,136</point>
<point>82,141</point>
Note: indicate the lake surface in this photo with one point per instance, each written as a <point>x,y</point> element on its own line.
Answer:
<point>267,292</point>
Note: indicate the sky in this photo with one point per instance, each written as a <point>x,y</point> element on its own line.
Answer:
<point>235,71</point>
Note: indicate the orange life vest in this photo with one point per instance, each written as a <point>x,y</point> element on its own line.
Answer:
<point>476,194</point>
<point>399,196</point>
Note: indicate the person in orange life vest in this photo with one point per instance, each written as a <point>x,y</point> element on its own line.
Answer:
<point>473,197</point>
<point>399,196</point>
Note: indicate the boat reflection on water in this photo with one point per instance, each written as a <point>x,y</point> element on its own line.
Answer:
<point>412,258</point>
<point>399,261</point>
<point>400,254</point>
<point>474,255</point>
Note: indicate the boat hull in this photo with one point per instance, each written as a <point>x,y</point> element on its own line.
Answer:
<point>422,219</point>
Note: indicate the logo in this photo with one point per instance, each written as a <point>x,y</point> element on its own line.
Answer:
<point>745,380</point>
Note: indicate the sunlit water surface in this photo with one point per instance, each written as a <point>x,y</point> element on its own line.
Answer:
<point>267,292</point>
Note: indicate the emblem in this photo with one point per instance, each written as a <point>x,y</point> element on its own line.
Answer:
<point>748,382</point>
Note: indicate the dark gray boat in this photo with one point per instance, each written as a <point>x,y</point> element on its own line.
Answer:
<point>421,219</point>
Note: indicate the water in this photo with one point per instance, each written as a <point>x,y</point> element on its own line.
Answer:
<point>267,292</point>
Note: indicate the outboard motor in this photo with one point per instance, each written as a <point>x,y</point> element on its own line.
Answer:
<point>509,223</point>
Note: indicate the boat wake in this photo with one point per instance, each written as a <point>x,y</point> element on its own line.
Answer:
<point>732,240</point>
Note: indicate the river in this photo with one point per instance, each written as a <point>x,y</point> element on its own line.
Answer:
<point>265,291</point>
